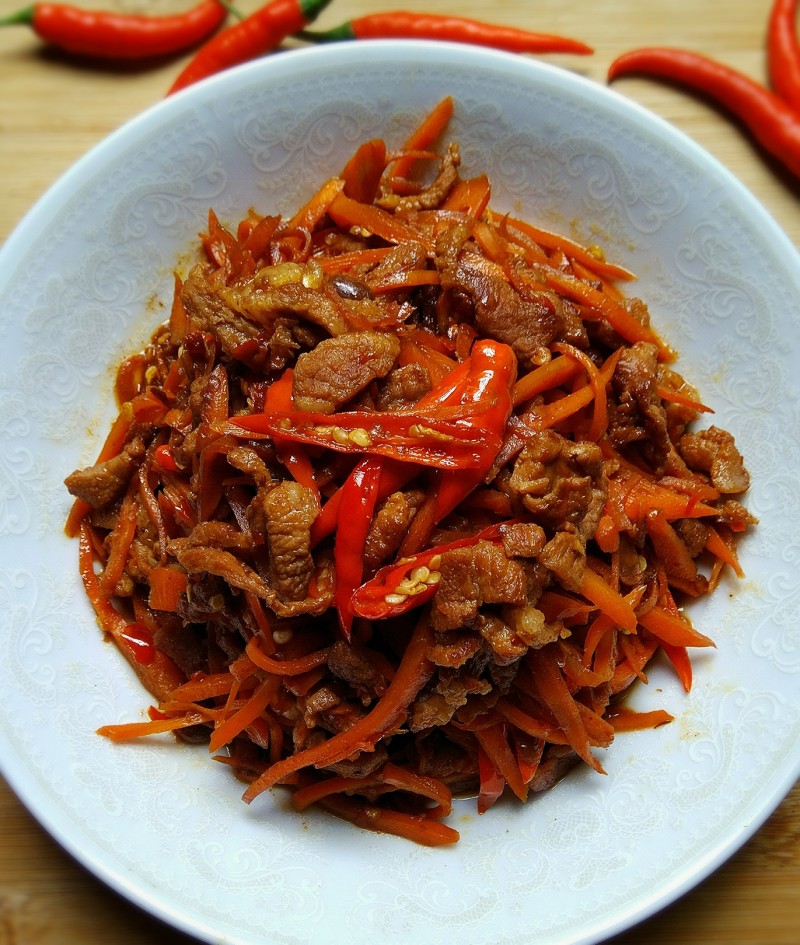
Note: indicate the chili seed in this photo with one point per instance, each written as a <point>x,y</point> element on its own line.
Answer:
<point>360,437</point>
<point>395,598</point>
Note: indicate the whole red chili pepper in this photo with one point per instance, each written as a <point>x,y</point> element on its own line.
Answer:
<point>114,36</point>
<point>253,36</point>
<point>783,51</point>
<point>455,29</point>
<point>773,123</point>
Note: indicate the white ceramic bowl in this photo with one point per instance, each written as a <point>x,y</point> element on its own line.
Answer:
<point>83,282</point>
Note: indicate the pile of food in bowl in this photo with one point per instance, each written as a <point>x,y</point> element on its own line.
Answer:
<point>403,498</point>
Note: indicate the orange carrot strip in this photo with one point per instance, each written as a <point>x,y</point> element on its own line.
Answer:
<point>167,585</point>
<point>676,397</point>
<point>358,257</point>
<point>672,629</point>
<point>362,174</point>
<point>179,317</point>
<point>679,657</point>
<point>555,693</point>
<point>547,377</point>
<point>572,250</point>
<point>493,741</point>
<point>234,724</point>
<point>308,216</point>
<point>433,788</point>
<point>120,540</point>
<point>408,280</point>
<point>597,427</point>
<point>346,213</point>
<point>411,675</point>
<point>528,724</point>
<point>549,415</point>
<point>638,495</point>
<point>587,275</point>
<point>598,628</point>
<point>207,687</point>
<point>126,731</point>
<point>295,667</point>
<point>723,550</point>
<point>424,135</point>
<point>312,793</point>
<point>616,315</point>
<point>607,600</point>
<point>416,827</point>
<point>626,720</point>
<point>469,196</point>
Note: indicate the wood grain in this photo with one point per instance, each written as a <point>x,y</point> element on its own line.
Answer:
<point>53,110</point>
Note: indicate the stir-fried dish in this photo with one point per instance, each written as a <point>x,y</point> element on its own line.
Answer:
<point>402,499</point>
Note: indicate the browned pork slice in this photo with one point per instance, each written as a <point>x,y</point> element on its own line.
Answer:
<point>102,484</point>
<point>560,482</point>
<point>527,323</point>
<point>639,415</point>
<point>714,451</point>
<point>472,576</point>
<point>339,368</point>
<point>289,512</point>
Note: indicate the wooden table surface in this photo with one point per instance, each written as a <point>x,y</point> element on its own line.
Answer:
<point>53,109</point>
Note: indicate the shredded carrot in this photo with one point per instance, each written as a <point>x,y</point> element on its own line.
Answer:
<point>418,828</point>
<point>295,667</point>
<point>308,217</point>
<point>362,174</point>
<point>572,250</point>
<point>679,657</point>
<point>555,372</point>
<point>167,585</point>
<point>724,550</point>
<point>556,694</point>
<point>120,540</point>
<point>372,219</point>
<point>493,741</point>
<point>412,673</point>
<point>249,712</point>
<point>626,720</point>
<point>672,629</point>
<point>607,600</point>
<point>127,731</point>
<point>424,135</point>
<point>469,196</point>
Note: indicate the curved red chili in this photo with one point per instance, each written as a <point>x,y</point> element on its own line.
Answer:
<point>783,51</point>
<point>773,123</point>
<point>114,36</point>
<point>253,36</point>
<point>411,437</point>
<point>411,582</point>
<point>454,29</point>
